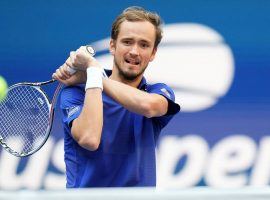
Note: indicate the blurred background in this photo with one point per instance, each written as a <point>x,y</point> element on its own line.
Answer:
<point>216,56</point>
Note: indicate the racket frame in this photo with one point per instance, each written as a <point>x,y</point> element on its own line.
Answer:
<point>51,104</point>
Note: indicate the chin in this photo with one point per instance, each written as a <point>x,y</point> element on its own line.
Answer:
<point>130,75</point>
<point>128,71</point>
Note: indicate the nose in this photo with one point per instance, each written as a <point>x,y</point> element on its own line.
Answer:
<point>134,50</point>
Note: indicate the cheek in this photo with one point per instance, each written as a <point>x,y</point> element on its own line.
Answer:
<point>148,58</point>
<point>118,57</point>
<point>118,52</point>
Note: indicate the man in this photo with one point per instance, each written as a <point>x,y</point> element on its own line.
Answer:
<point>112,124</point>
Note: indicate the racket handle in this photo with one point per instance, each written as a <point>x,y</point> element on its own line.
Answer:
<point>90,50</point>
<point>71,70</point>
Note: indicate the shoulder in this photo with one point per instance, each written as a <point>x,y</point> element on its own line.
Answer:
<point>162,89</point>
<point>167,92</point>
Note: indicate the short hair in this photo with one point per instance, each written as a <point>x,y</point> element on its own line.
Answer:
<point>134,14</point>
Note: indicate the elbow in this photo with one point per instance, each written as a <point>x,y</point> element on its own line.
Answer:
<point>90,143</point>
<point>88,138</point>
<point>149,110</point>
<point>154,108</point>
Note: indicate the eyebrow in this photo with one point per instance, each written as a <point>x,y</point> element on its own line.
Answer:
<point>130,38</point>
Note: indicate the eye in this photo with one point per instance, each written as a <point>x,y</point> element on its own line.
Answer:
<point>144,45</point>
<point>126,42</point>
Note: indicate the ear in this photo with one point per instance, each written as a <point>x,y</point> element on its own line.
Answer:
<point>112,46</point>
<point>153,54</point>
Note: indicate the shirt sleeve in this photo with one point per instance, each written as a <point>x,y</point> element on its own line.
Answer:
<point>71,103</point>
<point>173,108</point>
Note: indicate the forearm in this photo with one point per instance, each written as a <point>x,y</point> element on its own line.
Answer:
<point>87,128</point>
<point>135,100</point>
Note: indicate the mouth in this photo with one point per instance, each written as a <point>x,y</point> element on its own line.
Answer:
<point>132,61</point>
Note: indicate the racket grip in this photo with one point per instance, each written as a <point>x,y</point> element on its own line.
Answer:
<point>90,50</point>
<point>71,70</point>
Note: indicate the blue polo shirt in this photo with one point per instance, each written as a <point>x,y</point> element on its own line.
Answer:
<point>126,154</point>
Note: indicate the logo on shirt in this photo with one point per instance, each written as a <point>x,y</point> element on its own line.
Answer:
<point>166,92</point>
<point>71,111</point>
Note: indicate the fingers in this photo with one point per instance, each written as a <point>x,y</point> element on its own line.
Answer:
<point>78,60</point>
<point>82,54</point>
<point>64,71</point>
<point>69,62</point>
<point>78,78</point>
<point>72,57</point>
<point>61,73</point>
<point>82,48</point>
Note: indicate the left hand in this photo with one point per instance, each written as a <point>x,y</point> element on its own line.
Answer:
<point>81,59</point>
<point>62,74</point>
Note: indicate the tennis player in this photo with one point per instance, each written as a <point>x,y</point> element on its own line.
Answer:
<point>112,124</point>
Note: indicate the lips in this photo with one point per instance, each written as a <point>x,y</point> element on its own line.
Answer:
<point>132,61</point>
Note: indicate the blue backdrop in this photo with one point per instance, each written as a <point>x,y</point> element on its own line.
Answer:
<point>231,136</point>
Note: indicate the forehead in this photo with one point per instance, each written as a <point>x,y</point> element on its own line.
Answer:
<point>139,30</point>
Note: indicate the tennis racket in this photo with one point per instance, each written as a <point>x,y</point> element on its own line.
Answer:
<point>26,116</point>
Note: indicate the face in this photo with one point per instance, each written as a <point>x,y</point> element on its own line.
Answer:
<point>133,49</point>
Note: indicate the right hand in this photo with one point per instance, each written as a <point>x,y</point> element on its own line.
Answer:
<point>63,75</point>
<point>81,59</point>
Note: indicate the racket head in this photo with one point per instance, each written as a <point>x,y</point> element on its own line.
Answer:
<point>25,119</point>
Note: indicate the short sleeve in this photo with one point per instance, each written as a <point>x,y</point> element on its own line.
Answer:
<point>71,103</point>
<point>173,107</point>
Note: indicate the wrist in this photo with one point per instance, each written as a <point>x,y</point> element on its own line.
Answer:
<point>93,63</point>
<point>95,75</point>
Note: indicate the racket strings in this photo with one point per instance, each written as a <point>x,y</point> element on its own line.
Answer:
<point>24,119</point>
<point>19,111</point>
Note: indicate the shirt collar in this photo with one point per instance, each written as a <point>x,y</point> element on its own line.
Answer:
<point>143,84</point>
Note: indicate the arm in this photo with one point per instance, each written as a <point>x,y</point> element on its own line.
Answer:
<point>135,100</point>
<point>149,105</point>
<point>87,128</point>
